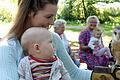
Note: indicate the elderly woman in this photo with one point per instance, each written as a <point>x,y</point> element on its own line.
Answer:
<point>59,28</point>
<point>86,53</point>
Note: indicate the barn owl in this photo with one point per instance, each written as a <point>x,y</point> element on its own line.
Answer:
<point>115,44</point>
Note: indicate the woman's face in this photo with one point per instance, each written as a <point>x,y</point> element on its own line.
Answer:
<point>44,17</point>
<point>92,24</point>
<point>60,30</point>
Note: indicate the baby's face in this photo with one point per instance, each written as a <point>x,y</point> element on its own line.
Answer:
<point>46,46</point>
<point>98,35</point>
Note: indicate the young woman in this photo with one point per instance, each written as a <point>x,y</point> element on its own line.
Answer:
<point>33,13</point>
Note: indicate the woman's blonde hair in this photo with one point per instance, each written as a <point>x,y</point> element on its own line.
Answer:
<point>24,8</point>
<point>92,17</point>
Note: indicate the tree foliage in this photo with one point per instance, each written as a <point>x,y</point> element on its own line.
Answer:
<point>79,10</point>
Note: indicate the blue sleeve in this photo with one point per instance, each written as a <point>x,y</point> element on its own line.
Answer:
<point>10,54</point>
<point>73,70</point>
<point>8,64</point>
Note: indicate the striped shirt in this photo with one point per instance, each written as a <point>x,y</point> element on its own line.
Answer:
<point>41,68</point>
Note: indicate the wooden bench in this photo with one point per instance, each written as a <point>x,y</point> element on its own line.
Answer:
<point>74,49</point>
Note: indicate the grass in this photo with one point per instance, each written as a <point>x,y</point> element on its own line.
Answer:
<point>73,29</point>
<point>107,28</point>
<point>73,32</point>
<point>77,27</point>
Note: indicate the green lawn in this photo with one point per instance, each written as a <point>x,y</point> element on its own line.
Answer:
<point>107,28</point>
<point>72,31</point>
<point>72,35</point>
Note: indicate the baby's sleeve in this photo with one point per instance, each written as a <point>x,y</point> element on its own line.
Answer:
<point>91,43</point>
<point>21,70</point>
<point>64,73</point>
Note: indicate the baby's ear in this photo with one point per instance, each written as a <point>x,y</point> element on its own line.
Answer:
<point>36,46</point>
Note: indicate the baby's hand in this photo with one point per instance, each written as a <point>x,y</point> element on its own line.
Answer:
<point>95,46</point>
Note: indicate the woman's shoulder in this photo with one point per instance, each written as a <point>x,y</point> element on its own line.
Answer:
<point>85,30</point>
<point>12,42</point>
<point>11,47</point>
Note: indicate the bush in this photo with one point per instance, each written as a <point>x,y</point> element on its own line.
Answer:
<point>5,15</point>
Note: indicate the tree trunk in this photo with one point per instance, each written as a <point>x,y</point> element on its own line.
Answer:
<point>85,12</point>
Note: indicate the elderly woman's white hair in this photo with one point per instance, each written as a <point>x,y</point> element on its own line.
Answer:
<point>92,17</point>
<point>59,22</point>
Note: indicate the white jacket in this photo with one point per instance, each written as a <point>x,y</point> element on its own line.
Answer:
<point>58,71</point>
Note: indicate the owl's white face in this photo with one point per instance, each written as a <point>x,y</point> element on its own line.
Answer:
<point>116,35</point>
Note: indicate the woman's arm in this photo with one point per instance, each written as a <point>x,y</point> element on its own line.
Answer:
<point>8,62</point>
<point>84,38</point>
<point>73,70</point>
<point>84,47</point>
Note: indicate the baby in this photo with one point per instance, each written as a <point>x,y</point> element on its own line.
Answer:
<point>41,63</point>
<point>96,44</point>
